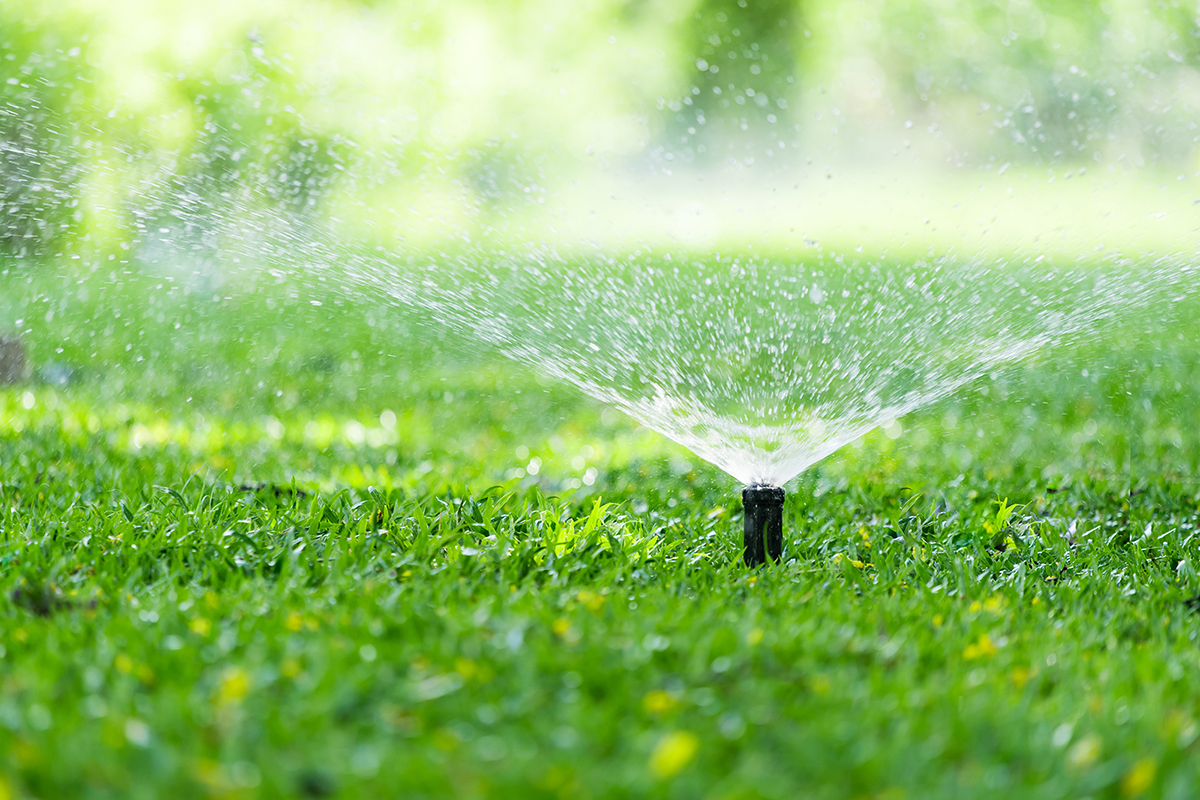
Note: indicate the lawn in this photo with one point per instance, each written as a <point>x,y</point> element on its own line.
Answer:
<point>256,547</point>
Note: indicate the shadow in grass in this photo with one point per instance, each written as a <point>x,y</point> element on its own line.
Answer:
<point>45,601</point>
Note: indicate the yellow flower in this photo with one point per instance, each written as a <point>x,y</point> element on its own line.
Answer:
<point>234,685</point>
<point>938,619</point>
<point>981,648</point>
<point>1139,778</point>
<point>561,626</point>
<point>658,702</point>
<point>294,621</point>
<point>592,600</point>
<point>200,626</point>
<point>673,752</point>
<point>123,663</point>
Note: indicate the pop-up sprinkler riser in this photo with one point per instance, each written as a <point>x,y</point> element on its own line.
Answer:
<point>764,523</point>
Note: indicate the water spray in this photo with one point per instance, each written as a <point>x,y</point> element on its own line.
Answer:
<point>764,523</point>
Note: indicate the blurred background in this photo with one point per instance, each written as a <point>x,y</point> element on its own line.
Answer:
<point>972,127</point>
<point>175,177</point>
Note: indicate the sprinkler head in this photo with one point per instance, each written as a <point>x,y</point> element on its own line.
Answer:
<point>764,523</point>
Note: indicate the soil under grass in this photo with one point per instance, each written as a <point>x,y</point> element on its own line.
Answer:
<point>314,560</point>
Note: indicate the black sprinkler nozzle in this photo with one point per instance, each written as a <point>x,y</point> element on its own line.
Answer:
<point>764,523</point>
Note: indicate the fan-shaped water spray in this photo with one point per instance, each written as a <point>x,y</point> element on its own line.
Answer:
<point>762,366</point>
<point>765,366</point>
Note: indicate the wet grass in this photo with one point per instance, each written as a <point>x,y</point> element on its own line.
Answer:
<point>348,567</point>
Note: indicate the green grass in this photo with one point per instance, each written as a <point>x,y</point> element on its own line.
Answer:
<point>225,575</point>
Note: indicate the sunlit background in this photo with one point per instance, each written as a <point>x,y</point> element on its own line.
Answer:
<point>978,127</point>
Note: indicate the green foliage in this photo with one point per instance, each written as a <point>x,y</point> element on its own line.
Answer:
<point>1043,81</point>
<point>744,68</point>
<point>44,81</point>
<point>251,132</point>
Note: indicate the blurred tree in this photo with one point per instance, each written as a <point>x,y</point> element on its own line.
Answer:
<point>252,132</point>
<point>1036,80</point>
<point>246,147</point>
<point>43,109</point>
<point>741,64</point>
<point>117,125</point>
